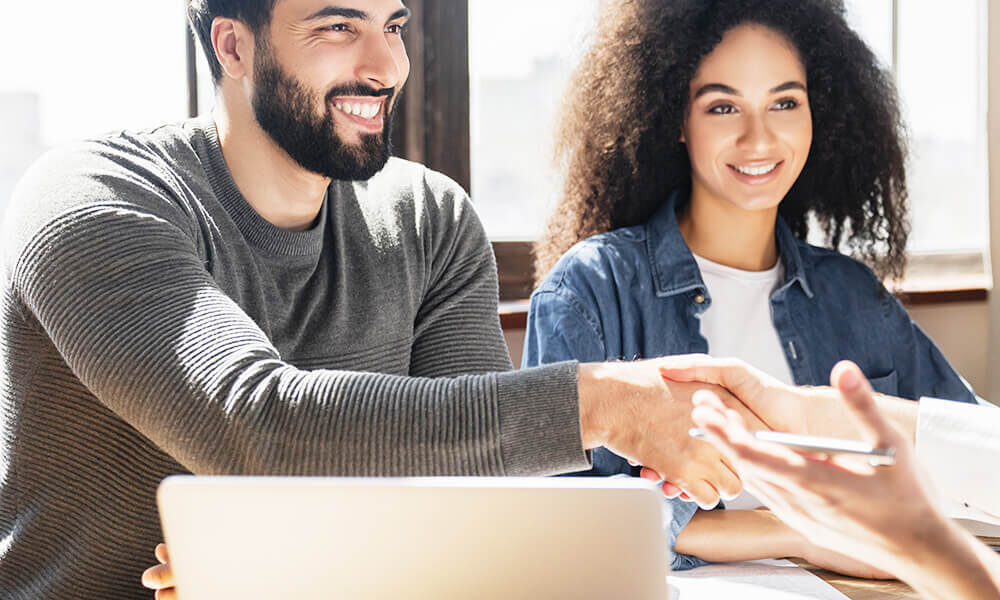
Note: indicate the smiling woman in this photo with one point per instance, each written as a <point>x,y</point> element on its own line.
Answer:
<point>758,118</point>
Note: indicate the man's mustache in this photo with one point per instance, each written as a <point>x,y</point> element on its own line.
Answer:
<point>357,90</point>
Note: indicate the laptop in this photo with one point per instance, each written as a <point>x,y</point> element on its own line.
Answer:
<point>301,538</point>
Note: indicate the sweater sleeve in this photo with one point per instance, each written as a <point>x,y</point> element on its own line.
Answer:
<point>457,330</point>
<point>124,297</point>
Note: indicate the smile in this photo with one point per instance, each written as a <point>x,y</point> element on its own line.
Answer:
<point>366,109</point>
<point>755,171</point>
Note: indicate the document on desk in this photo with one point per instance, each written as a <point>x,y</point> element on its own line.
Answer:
<point>752,580</point>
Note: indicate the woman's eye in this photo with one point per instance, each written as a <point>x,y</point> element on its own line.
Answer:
<point>722,109</point>
<point>788,104</point>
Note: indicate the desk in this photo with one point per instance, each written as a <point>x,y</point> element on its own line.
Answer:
<point>862,589</point>
<point>871,589</point>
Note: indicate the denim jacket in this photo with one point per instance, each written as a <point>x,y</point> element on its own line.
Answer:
<point>636,292</point>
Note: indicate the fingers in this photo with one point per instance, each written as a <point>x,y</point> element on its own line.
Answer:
<point>704,493</point>
<point>859,397</point>
<point>730,373</point>
<point>161,553</point>
<point>753,458</point>
<point>166,594</point>
<point>672,491</point>
<point>650,474</point>
<point>158,577</point>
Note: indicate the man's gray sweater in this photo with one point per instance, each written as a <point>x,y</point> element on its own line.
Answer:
<point>153,323</point>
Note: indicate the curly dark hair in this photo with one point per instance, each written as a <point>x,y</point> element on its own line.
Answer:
<point>622,158</point>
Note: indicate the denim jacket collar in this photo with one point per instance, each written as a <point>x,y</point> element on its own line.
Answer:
<point>672,264</point>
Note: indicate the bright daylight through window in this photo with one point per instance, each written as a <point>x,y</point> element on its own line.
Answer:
<point>93,71</point>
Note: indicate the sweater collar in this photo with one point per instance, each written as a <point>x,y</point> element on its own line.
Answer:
<point>255,228</point>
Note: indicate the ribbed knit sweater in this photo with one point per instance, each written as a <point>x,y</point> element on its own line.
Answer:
<point>153,323</point>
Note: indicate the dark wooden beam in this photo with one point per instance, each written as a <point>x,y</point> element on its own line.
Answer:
<point>432,120</point>
<point>191,64</point>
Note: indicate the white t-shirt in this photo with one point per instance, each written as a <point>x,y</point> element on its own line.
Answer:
<point>738,324</point>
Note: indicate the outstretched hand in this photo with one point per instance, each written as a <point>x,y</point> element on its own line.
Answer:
<point>838,502</point>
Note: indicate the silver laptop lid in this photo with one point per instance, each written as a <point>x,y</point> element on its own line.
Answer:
<point>264,538</point>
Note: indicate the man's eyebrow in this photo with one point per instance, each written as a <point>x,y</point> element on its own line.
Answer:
<point>716,87</point>
<point>353,13</point>
<point>338,11</point>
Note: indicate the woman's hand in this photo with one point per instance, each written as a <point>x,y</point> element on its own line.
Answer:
<point>160,577</point>
<point>874,514</point>
<point>883,516</point>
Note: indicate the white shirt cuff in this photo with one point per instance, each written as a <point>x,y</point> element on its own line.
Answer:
<point>958,446</point>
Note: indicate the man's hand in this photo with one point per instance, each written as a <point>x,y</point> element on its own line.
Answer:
<point>160,577</point>
<point>629,408</point>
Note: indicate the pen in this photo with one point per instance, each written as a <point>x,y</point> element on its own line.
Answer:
<point>827,445</point>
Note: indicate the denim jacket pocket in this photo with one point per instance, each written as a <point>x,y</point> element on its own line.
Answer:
<point>886,384</point>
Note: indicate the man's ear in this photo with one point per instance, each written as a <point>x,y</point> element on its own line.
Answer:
<point>233,44</point>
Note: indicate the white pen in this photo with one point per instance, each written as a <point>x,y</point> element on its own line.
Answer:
<point>826,445</point>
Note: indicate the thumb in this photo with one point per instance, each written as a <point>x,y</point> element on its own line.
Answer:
<point>857,392</point>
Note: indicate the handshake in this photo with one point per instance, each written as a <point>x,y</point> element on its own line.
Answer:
<point>648,417</point>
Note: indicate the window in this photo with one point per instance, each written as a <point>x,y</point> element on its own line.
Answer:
<point>519,68</point>
<point>85,73</point>
<point>939,58</point>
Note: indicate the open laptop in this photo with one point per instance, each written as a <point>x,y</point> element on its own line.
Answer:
<point>294,538</point>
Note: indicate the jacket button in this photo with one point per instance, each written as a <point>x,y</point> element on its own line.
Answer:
<point>699,298</point>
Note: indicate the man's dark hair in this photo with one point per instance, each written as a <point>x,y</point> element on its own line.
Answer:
<point>255,13</point>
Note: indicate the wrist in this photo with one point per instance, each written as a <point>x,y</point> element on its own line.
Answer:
<point>930,545</point>
<point>902,413</point>
<point>593,428</point>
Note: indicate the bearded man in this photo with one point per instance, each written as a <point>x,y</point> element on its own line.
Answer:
<point>265,291</point>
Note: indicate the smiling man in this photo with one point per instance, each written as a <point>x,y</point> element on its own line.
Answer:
<point>266,291</point>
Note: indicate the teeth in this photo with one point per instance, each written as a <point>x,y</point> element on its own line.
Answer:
<point>755,170</point>
<point>358,109</point>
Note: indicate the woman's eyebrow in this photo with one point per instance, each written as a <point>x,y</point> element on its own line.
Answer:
<point>789,85</point>
<point>725,89</point>
<point>718,87</point>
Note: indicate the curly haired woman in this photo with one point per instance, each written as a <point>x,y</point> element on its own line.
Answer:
<point>703,140</point>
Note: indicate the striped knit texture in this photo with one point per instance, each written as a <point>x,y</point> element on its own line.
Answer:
<point>153,323</point>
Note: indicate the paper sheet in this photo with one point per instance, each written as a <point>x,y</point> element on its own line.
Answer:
<point>754,580</point>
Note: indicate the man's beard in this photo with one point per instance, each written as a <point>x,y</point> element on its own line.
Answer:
<point>284,109</point>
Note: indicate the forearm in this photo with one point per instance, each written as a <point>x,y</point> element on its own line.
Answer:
<point>156,340</point>
<point>824,413</point>
<point>735,535</point>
